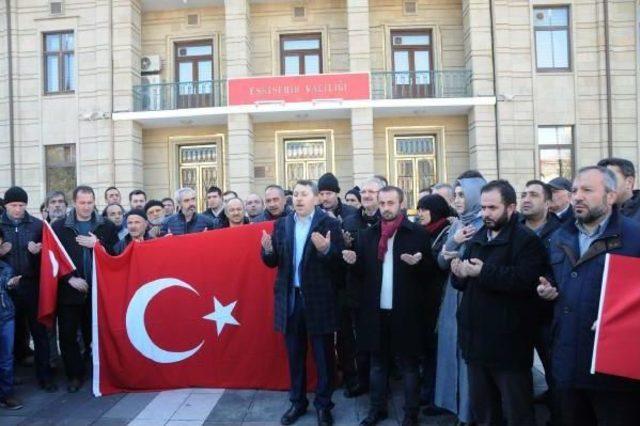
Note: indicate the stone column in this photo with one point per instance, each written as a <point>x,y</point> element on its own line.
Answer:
<point>240,147</point>
<point>361,118</point>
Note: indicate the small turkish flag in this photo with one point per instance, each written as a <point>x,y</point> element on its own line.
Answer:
<point>616,347</point>
<point>55,263</point>
<point>187,311</point>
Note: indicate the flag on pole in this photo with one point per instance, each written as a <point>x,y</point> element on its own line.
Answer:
<point>55,263</point>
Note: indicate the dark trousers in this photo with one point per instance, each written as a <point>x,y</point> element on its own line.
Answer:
<point>581,407</point>
<point>322,345</point>
<point>379,376</point>
<point>71,319</point>
<point>542,344</point>
<point>346,348</point>
<point>428,365</point>
<point>497,394</point>
<point>27,309</point>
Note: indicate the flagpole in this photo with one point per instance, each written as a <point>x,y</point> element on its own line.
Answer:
<point>603,291</point>
<point>95,352</point>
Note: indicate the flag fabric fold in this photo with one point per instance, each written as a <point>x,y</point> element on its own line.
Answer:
<point>55,263</point>
<point>616,348</point>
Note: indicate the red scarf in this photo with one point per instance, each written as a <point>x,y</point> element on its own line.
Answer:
<point>388,228</point>
<point>434,227</point>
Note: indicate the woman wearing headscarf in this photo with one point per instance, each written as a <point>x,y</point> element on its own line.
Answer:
<point>452,385</point>
<point>433,215</point>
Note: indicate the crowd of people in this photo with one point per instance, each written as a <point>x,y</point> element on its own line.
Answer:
<point>453,301</point>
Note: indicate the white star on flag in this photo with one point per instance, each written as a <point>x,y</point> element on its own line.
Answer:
<point>222,315</point>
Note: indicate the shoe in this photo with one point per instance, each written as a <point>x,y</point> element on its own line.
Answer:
<point>74,386</point>
<point>48,386</point>
<point>373,418</point>
<point>410,420</point>
<point>293,414</point>
<point>355,391</point>
<point>10,403</point>
<point>324,417</point>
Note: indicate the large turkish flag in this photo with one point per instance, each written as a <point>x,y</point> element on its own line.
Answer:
<point>187,311</point>
<point>616,348</point>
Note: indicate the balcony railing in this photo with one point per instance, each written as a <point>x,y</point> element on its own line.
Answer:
<point>420,84</point>
<point>192,94</point>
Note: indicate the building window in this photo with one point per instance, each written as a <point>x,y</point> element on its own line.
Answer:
<point>301,54</point>
<point>415,165</point>
<point>194,74</point>
<point>555,145</point>
<point>304,159</point>
<point>551,29</point>
<point>60,163</point>
<point>412,59</point>
<point>59,62</point>
<point>199,170</point>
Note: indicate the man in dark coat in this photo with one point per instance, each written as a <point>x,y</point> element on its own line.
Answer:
<point>393,258</point>
<point>560,204</point>
<point>628,199</point>
<point>275,204</point>
<point>366,216</point>
<point>305,247</point>
<point>78,233</point>
<point>496,318</point>
<point>187,221</point>
<point>215,204</point>
<point>535,215</point>
<point>578,252</point>
<point>21,250</point>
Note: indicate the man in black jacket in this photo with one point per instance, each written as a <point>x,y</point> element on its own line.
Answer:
<point>305,247</point>
<point>78,233</point>
<point>394,261</point>
<point>21,249</point>
<point>628,199</point>
<point>496,318</point>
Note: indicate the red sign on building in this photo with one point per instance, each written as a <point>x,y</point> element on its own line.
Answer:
<point>299,88</point>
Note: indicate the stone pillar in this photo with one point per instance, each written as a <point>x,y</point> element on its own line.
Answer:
<point>240,149</point>
<point>360,61</point>
<point>482,141</point>
<point>126,135</point>
<point>240,154</point>
<point>362,141</point>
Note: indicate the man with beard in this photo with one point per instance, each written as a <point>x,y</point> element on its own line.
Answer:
<point>56,205</point>
<point>154,210</point>
<point>329,200</point>
<point>137,199</point>
<point>628,199</point>
<point>254,206</point>
<point>498,276</point>
<point>578,252</point>
<point>186,221</point>
<point>275,203</point>
<point>116,214</point>
<point>394,261</point>
<point>169,206</point>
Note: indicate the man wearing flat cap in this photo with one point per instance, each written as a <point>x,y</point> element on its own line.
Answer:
<point>561,199</point>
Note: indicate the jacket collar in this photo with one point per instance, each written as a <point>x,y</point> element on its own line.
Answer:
<point>4,219</point>
<point>503,237</point>
<point>552,223</point>
<point>70,221</point>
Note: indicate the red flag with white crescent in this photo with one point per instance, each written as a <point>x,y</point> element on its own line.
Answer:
<point>187,311</point>
<point>55,263</point>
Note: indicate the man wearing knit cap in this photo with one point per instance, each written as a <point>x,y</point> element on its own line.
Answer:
<point>155,215</point>
<point>329,201</point>
<point>137,227</point>
<point>21,249</point>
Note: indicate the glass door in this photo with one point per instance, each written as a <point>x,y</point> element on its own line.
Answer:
<point>194,74</point>
<point>304,159</point>
<point>412,64</point>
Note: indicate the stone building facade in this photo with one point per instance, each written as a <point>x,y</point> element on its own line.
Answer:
<point>136,93</point>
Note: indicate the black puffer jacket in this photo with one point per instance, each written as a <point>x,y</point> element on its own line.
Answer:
<point>21,260</point>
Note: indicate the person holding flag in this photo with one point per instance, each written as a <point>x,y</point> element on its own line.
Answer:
<point>21,249</point>
<point>577,255</point>
<point>78,233</point>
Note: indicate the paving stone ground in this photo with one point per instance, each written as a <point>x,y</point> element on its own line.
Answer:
<point>187,407</point>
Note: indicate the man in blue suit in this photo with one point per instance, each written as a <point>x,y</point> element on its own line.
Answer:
<point>306,248</point>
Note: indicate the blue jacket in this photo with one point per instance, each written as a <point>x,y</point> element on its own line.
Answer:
<point>176,224</point>
<point>579,279</point>
<point>7,311</point>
